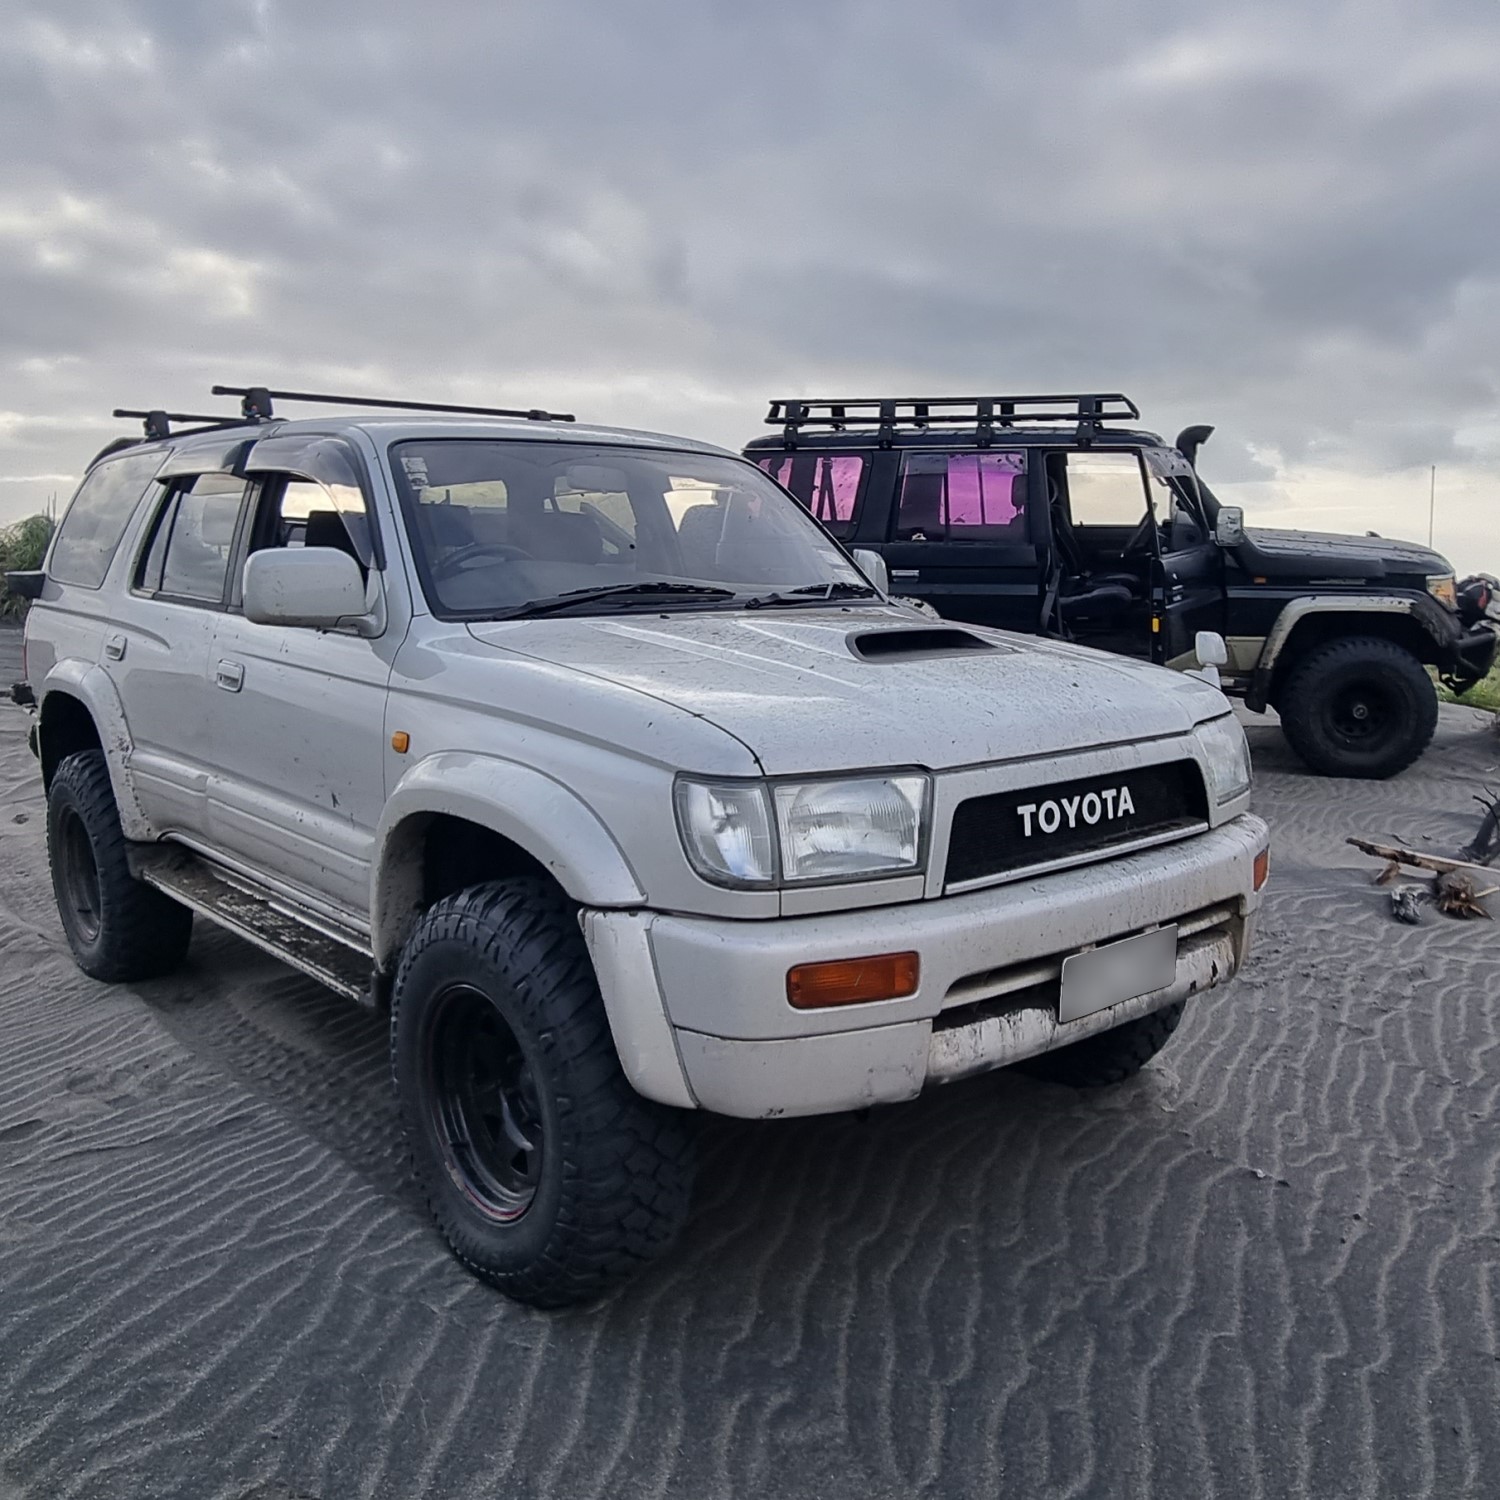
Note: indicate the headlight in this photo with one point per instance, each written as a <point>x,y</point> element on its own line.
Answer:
<point>1442,588</point>
<point>832,830</point>
<point>821,830</point>
<point>726,830</point>
<point>1226,757</point>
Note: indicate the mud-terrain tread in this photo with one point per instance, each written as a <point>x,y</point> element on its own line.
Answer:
<point>1305,685</point>
<point>143,933</point>
<point>628,1166</point>
<point>1111,1056</point>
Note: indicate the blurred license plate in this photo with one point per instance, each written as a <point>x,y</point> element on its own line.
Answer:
<point>1118,971</point>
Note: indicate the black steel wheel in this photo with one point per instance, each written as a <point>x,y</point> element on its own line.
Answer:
<point>486,1114</point>
<point>118,929</point>
<point>1359,707</point>
<point>548,1175</point>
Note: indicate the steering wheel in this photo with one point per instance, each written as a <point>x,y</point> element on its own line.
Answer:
<point>1139,543</point>
<point>461,557</point>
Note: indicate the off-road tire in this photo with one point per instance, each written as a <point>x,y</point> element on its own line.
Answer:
<point>1109,1057</point>
<point>120,930</point>
<point>612,1188</point>
<point>1334,680</point>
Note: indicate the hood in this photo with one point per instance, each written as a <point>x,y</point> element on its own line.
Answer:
<point>1322,554</point>
<point>815,690</point>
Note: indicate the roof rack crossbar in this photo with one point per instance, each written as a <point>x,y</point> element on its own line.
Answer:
<point>987,412</point>
<point>258,400</point>
<point>157,423</point>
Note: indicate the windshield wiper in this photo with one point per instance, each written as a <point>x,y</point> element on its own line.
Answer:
<point>813,593</point>
<point>625,593</point>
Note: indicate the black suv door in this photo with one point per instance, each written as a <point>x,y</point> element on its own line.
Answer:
<point>959,536</point>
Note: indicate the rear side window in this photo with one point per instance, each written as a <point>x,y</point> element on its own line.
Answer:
<point>188,557</point>
<point>962,496</point>
<point>826,483</point>
<point>97,518</point>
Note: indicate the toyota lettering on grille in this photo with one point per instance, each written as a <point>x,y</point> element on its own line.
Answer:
<point>1090,808</point>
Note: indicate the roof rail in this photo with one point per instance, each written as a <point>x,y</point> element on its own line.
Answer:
<point>986,412</point>
<point>256,404</point>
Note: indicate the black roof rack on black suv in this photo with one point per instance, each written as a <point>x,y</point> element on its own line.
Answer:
<point>985,412</point>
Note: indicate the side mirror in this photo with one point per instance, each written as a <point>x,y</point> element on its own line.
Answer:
<point>1212,652</point>
<point>1229,529</point>
<point>317,587</point>
<point>872,565</point>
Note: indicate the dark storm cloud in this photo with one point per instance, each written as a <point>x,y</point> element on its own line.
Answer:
<point>1281,218</point>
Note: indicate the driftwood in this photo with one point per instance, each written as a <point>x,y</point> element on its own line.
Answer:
<point>1394,855</point>
<point>1454,890</point>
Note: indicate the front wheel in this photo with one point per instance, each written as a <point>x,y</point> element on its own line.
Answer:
<point>1111,1056</point>
<point>1360,707</point>
<point>549,1176</point>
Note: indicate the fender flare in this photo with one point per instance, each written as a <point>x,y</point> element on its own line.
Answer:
<point>91,685</point>
<point>1258,694</point>
<point>542,816</point>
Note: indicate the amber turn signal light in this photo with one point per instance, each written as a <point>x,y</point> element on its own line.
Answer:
<point>1262,868</point>
<point>852,981</point>
<point>401,742</point>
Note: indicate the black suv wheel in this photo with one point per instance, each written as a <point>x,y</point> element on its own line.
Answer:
<point>1359,706</point>
<point>549,1176</point>
<point>119,929</point>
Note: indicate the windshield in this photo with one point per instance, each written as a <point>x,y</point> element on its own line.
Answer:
<point>503,527</point>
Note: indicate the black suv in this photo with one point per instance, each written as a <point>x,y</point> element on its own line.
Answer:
<point>1038,514</point>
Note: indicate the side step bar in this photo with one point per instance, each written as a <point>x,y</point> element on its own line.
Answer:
<point>334,957</point>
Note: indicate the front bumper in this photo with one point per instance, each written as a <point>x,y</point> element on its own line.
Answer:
<point>1472,655</point>
<point>700,1016</point>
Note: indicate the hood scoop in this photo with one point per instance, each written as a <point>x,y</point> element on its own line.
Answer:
<point>912,645</point>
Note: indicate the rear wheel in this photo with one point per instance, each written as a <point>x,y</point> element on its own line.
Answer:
<point>549,1176</point>
<point>1360,707</point>
<point>1111,1056</point>
<point>119,929</point>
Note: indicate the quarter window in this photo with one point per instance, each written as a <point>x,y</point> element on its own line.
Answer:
<point>827,484</point>
<point>97,518</point>
<point>967,496</point>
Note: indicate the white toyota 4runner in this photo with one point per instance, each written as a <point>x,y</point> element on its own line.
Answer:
<point>593,757</point>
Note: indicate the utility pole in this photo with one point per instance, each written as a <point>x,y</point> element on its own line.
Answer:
<point>1431,502</point>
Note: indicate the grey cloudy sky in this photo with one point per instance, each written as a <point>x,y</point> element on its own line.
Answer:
<point>1282,218</point>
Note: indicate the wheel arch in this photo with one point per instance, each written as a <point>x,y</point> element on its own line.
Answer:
<point>79,709</point>
<point>457,818</point>
<point>1306,624</point>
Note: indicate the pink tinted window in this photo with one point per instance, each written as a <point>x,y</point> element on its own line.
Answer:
<point>978,495</point>
<point>826,483</point>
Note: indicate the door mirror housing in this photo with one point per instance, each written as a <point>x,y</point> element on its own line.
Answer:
<point>1211,652</point>
<point>1229,529</point>
<point>872,565</point>
<point>320,588</point>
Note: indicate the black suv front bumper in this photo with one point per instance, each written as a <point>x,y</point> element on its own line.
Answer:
<point>1465,660</point>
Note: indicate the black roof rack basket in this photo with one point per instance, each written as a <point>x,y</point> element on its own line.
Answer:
<point>986,413</point>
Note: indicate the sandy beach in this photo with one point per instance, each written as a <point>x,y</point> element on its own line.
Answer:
<point>1268,1266</point>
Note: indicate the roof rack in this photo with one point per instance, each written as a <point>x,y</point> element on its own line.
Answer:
<point>158,423</point>
<point>256,402</point>
<point>986,412</point>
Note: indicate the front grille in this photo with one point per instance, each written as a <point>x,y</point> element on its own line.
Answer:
<point>1036,825</point>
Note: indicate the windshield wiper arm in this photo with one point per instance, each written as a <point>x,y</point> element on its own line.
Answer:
<point>813,593</point>
<point>624,592</point>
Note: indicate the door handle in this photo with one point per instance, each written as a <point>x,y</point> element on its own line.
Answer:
<point>229,675</point>
<point>114,647</point>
